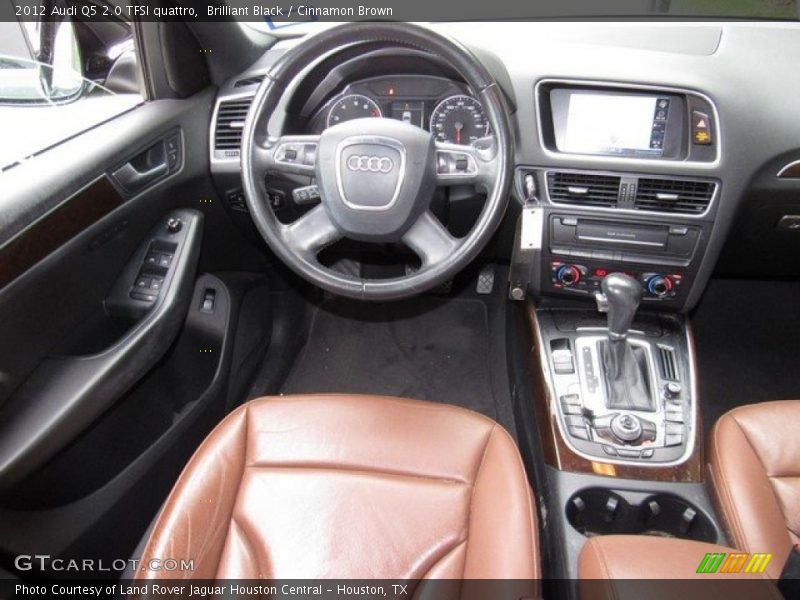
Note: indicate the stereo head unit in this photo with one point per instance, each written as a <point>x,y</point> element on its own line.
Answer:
<point>582,250</point>
<point>625,240</point>
<point>626,121</point>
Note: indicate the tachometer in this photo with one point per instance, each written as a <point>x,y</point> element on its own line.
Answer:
<point>352,106</point>
<point>459,120</point>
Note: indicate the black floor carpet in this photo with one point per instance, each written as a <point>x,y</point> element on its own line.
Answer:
<point>748,344</point>
<point>427,348</point>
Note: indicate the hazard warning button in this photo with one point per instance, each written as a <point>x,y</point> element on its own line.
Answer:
<point>701,128</point>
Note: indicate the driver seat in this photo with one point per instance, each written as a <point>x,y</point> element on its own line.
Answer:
<point>350,487</point>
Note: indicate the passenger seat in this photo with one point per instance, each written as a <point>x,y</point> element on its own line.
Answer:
<point>754,463</point>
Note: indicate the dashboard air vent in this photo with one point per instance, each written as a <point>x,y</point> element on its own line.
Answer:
<point>230,122</point>
<point>674,195</point>
<point>249,81</point>
<point>584,189</point>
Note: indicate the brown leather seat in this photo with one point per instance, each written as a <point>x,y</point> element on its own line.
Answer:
<point>340,486</point>
<point>618,567</point>
<point>754,462</point>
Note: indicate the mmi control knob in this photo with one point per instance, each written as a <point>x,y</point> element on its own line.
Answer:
<point>659,285</point>
<point>568,275</point>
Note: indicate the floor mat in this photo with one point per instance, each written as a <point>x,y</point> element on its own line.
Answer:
<point>426,348</point>
<point>747,335</point>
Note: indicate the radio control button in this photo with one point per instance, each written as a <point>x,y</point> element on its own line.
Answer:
<point>602,255</point>
<point>579,432</point>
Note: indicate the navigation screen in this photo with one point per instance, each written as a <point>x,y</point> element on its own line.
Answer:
<point>615,124</point>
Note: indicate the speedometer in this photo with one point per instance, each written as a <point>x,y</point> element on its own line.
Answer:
<point>352,106</point>
<point>459,120</point>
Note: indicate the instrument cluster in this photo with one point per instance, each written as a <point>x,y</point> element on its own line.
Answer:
<point>442,106</point>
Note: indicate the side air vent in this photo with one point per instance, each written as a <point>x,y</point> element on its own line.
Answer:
<point>674,195</point>
<point>584,189</point>
<point>666,360</point>
<point>249,81</point>
<point>230,122</point>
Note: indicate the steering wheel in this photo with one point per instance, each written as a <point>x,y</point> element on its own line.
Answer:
<point>376,176</point>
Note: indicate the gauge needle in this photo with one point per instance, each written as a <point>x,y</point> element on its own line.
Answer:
<point>459,126</point>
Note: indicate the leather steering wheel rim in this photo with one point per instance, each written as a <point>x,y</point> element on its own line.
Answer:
<point>297,244</point>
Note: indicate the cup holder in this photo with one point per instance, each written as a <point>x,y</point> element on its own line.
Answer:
<point>599,511</point>
<point>665,514</point>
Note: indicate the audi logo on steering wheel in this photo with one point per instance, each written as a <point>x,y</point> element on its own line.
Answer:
<point>370,164</point>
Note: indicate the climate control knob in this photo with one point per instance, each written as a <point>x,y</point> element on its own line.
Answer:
<point>659,285</point>
<point>568,275</point>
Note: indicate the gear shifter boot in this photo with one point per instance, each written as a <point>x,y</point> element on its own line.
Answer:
<point>626,375</point>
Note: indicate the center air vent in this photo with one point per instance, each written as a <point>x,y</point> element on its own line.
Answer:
<point>681,196</point>
<point>584,189</point>
<point>230,122</point>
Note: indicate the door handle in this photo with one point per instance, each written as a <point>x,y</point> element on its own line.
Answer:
<point>145,168</point>
<point>134,180</point>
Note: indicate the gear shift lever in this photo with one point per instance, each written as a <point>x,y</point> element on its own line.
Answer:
<point>625,367</point>
<point>622,295</point>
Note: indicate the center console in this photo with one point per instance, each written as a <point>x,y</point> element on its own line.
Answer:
<point>596,410</point>
<point>611,239</point>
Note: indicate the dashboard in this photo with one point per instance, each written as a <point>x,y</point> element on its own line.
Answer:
<point>437,104</point>
<point>635,145</point>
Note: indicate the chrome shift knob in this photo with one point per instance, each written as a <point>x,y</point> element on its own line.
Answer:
<point>621,295</point>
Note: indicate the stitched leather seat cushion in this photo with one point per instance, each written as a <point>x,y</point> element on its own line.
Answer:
<point>340,486</point>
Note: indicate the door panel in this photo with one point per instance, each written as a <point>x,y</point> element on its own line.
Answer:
<point>133,329</point>
<point>43,306</point>
<point>72,241</point>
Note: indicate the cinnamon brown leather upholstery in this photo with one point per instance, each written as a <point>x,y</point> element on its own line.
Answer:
<point>341,486</point>
<point>754,462</point>
<point>619,567</point>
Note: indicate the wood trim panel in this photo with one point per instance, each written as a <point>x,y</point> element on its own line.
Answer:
<point>56,228</point>
<point>559,456</point>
